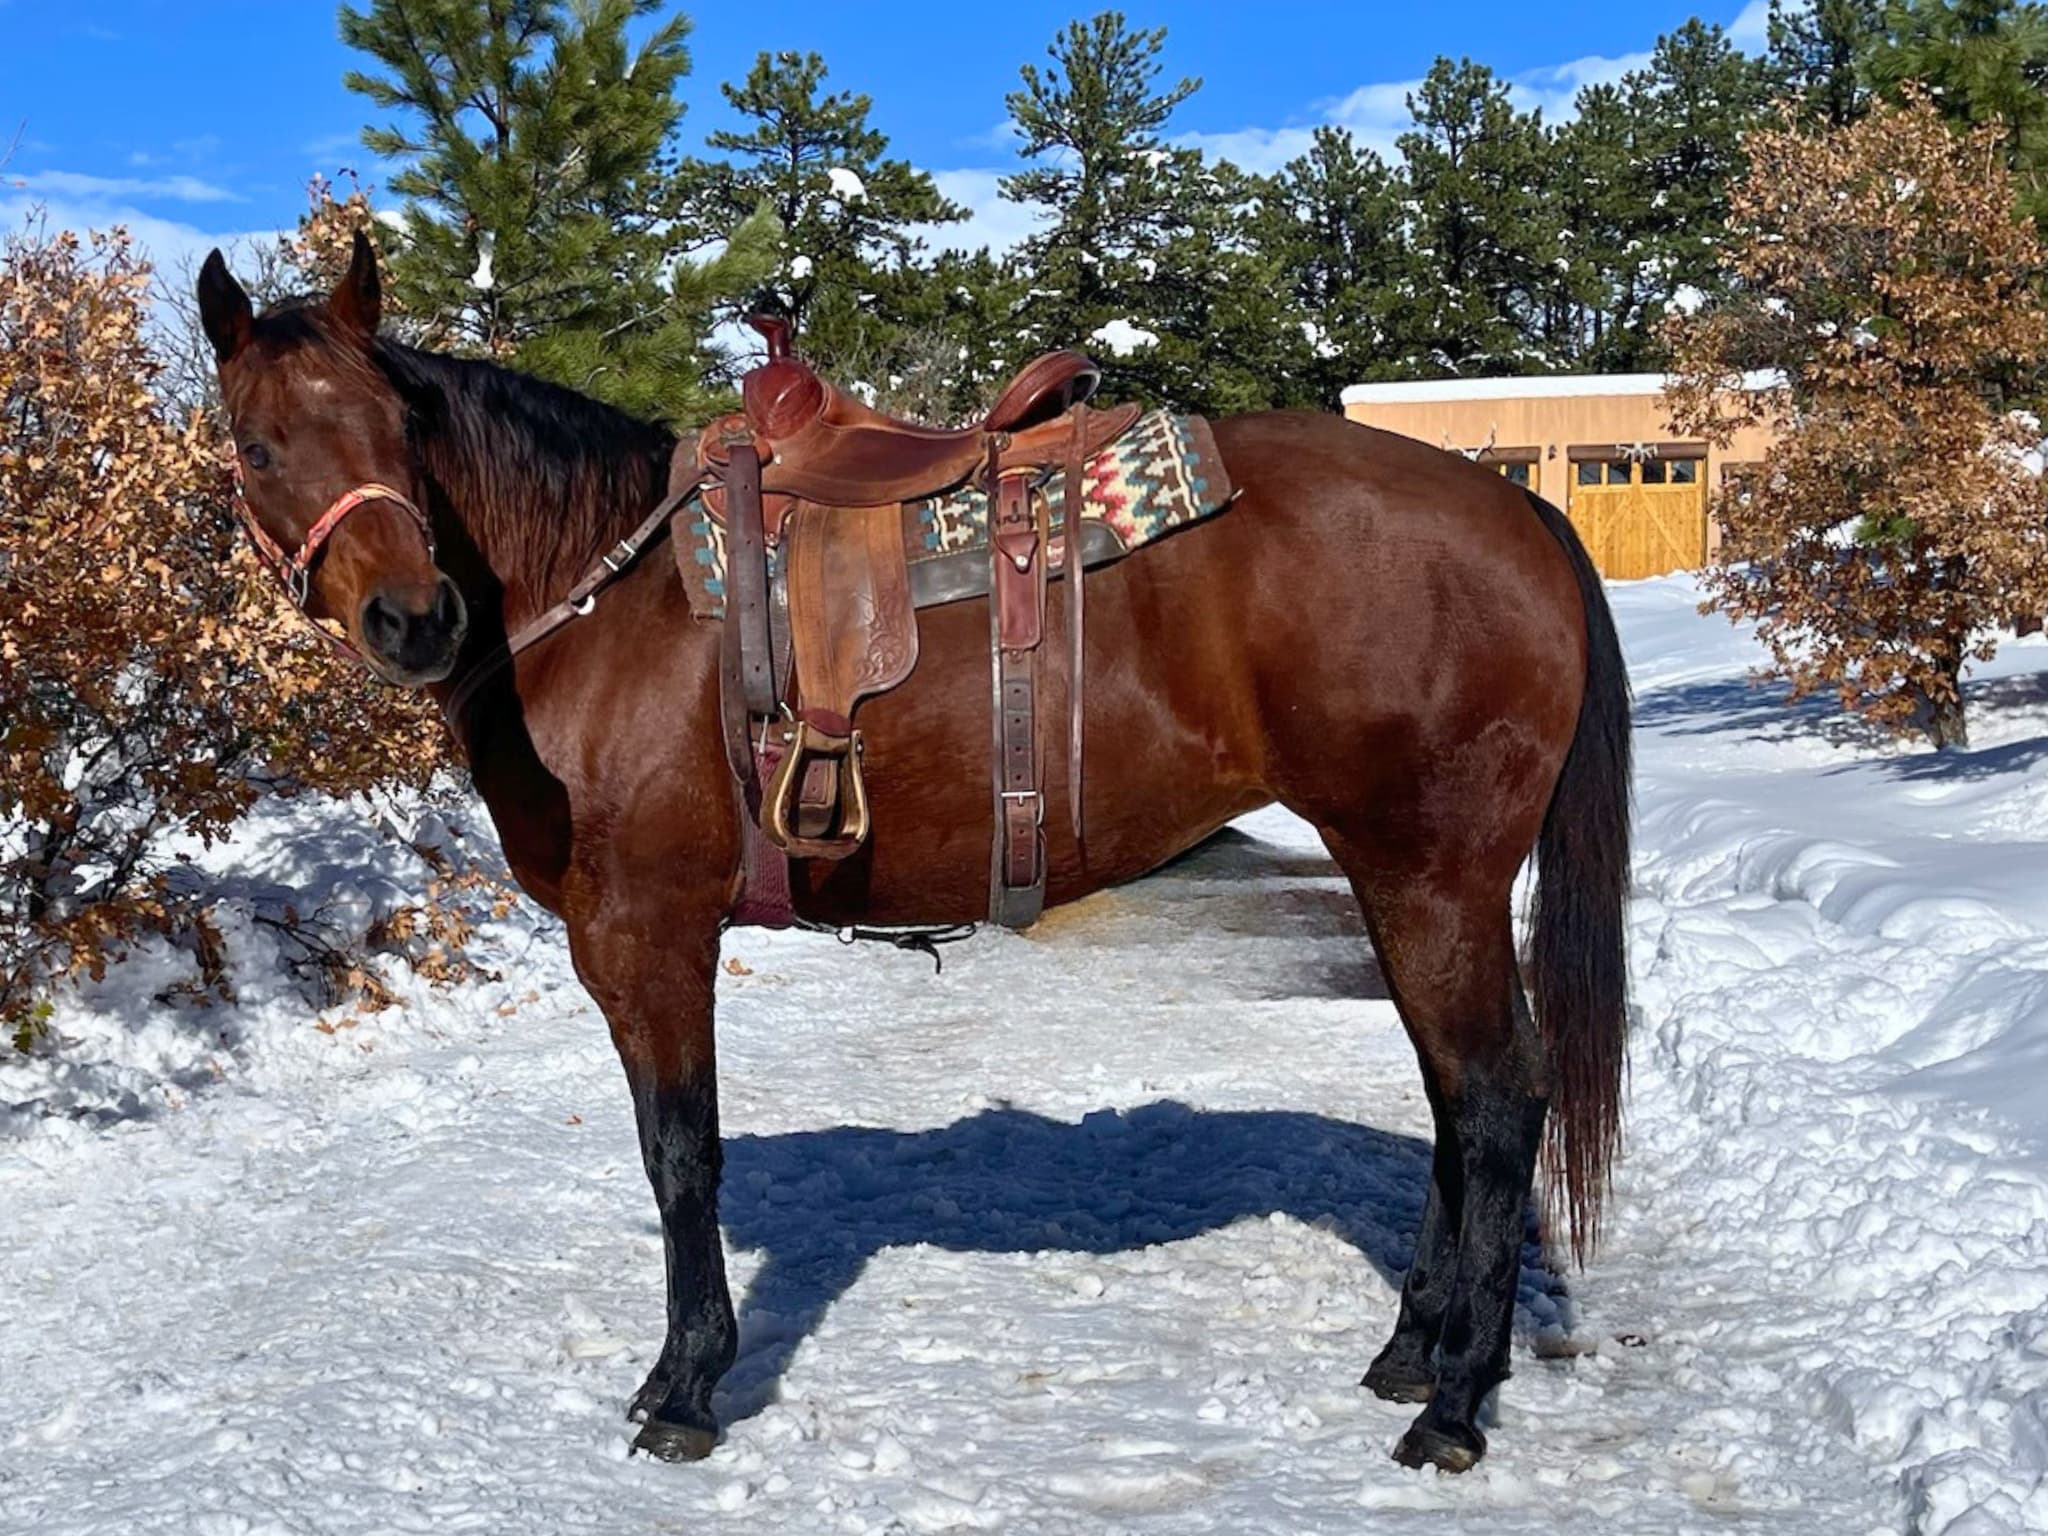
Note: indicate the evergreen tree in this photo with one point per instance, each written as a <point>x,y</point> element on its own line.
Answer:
<point>1332,220</point>
<point>1114,194</point>
<point>1693,102</point>
<point>1476,165</point>
<point>959,340</point>
<point>1229,336</point>
<point>1983,61</point>
<point>1817,54</point>
<point>848,214</point>
<point>534,144</point>
<point>1601,200</point>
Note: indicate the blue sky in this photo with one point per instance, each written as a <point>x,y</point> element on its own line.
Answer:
<point>196,121</point>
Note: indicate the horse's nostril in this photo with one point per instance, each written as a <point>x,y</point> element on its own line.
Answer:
<point>382,625</point>
<point>449,608</point>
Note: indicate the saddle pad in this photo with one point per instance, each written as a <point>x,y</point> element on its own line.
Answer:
<point>1161,475</point>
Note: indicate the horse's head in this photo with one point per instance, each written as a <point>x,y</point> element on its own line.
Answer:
<point>330,489</point>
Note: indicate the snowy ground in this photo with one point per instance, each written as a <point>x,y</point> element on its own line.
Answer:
<point>1114,1261</point>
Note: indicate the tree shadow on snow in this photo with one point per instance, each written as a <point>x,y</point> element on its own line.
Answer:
<point>1758,709</point>
<point>819,1204</point>
<point>1984,702</point>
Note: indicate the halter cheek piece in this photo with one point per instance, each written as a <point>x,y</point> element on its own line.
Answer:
<point>294,572</point>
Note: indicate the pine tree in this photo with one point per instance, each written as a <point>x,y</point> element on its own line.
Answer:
<point>1694,101</point>
<point>1601,200</point>
<point>1113,192</point>
<point>1332,220</point>
<point>1817,55</point>
<point>534,144</point>
<point>1475,165</point>
<point>1983,61</point>
<point>849,214</point>
<point>959,340</point>
<point>1230,337</point>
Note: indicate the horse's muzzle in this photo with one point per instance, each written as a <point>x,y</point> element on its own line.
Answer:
<point>414,636</point>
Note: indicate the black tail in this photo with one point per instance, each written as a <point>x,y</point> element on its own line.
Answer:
<point>1578,969</point>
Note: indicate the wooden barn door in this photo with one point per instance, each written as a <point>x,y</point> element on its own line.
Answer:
<point>1640,514</point>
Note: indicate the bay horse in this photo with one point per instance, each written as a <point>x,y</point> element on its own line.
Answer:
<point>1406,650</point>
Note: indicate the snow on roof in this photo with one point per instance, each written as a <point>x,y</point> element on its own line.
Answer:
<point>1552,386</point>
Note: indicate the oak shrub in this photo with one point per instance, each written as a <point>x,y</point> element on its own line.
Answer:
<point>152,682</point>
<point>1883,272</point>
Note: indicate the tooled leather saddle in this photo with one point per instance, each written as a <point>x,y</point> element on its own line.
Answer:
<point>809,485</point>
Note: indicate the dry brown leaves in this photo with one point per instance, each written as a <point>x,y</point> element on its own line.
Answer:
<point>151,678</point>
<point>1883,271</point>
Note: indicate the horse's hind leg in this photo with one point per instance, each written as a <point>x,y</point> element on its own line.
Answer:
<point>1447,950</point>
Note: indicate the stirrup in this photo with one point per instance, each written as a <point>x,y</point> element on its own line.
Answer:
<point>829,825</point>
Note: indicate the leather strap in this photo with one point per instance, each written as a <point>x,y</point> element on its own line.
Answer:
<point>581,599</point>
<point>765,900</point>
<point>294,571</point>
<point>746,575</point>
<point>1016,619</point>
<point>1072,564</point>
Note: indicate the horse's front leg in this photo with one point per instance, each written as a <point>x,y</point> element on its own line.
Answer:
<point>654,972</point>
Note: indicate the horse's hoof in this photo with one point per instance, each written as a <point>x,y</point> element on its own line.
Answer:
<point>674,1442</point>
<point>1451,1449</point>
<point>1398,1383</point>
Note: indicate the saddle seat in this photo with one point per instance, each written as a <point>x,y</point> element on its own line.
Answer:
<point>820,443</point>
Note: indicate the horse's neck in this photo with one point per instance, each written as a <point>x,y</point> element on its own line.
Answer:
<point>534,549</point>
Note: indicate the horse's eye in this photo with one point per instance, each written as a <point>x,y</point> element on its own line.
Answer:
<point>256,456</point>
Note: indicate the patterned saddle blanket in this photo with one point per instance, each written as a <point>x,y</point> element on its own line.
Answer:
<point>1163,474</point>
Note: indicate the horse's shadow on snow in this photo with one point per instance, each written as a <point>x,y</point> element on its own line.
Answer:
<point>819,1204</point>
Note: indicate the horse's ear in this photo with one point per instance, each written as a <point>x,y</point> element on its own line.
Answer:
<point>224,310</point>
<point>358,299</point>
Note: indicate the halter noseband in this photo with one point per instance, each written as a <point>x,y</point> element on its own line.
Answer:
<point>294,572</point>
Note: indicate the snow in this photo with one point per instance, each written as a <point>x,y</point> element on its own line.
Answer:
<point>1112,1258</point>
<point>1685,300</point>
<point>1555,386</point>
<point>800,267</point>
<point>1123,337</point>
<point>483,279</point>
<point>846,185</point>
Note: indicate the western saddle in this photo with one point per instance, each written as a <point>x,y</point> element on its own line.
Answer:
<point>809,485</point>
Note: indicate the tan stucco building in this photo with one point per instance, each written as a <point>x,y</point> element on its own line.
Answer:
<point>1597,445</point>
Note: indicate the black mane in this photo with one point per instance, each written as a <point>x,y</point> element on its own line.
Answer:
<point>545,477</point>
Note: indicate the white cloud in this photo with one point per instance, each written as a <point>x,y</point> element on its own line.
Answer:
<point>175,249</point>
<point>990,222</point>
<point>1751,30</point>
<point>171,189</point>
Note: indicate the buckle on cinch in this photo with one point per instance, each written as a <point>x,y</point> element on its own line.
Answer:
<point>831,828</point>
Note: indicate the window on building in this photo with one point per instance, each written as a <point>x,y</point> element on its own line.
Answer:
<point>1515,465</point>
<point>1646,464</point>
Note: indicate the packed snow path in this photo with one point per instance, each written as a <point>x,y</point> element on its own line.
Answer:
<point>1111,1257</point>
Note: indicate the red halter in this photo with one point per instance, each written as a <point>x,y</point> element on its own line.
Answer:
<point>294,572</point>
